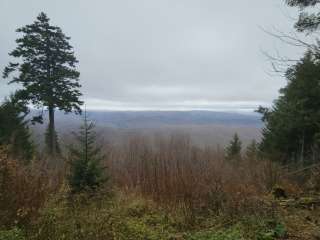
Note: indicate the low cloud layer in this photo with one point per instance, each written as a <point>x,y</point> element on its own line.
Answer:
<point>163,54</point>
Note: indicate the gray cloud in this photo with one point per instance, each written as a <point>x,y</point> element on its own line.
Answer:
<point>163,54</point>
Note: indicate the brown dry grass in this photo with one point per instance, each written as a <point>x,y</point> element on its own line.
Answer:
<point>23,190</point>
<point>174,172</point>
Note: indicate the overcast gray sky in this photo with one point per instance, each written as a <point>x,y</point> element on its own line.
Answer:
<point>163,54</point>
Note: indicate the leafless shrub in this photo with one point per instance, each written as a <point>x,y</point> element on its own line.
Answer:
<point>176,173</point>
<point>23,190</point>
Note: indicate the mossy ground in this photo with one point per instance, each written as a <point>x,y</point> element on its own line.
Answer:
<point>130,217</point>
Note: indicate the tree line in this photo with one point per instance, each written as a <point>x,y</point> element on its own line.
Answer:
<point>292,125</point>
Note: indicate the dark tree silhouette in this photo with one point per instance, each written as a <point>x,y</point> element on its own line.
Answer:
<point>233,150</point>
<point>86,172</point>
<point>292,130</point>
<point>46,70</point>
<point>14,131</point>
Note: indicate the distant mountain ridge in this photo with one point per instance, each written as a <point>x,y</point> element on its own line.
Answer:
<point>145,119</point>
<point>204,127</point>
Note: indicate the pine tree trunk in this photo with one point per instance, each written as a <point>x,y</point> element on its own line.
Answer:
<point>52,137</point>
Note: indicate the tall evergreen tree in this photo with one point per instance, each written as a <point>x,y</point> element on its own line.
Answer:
<point>86,172</point>
<point>292,125</point>
<point>46,70</point>
<point>14,131</point>
<point>233,150</point>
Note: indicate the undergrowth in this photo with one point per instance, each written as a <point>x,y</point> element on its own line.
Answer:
<point>132,217</point>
